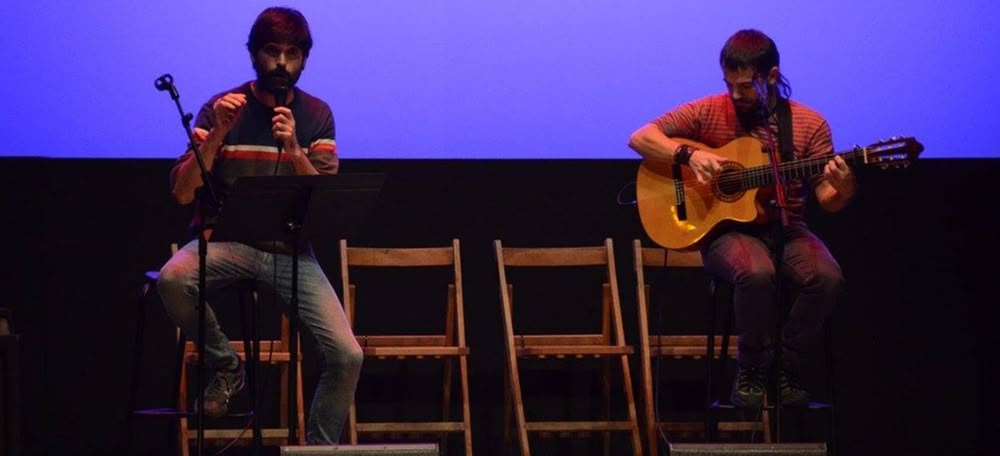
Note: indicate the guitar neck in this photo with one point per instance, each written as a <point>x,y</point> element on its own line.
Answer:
<point>760,176</point>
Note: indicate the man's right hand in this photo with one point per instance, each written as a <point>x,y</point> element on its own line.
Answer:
<point>705,165</point>
<point>227,109</point>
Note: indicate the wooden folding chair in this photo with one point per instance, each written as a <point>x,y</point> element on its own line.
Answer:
<point>608,344</point>
<point>274,352</point>
<point>448,345</point>
<point>677,347</point>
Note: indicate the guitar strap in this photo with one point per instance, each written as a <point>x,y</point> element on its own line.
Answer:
<point>784,111</point>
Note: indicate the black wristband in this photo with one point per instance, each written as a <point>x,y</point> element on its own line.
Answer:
<point>683,154</point>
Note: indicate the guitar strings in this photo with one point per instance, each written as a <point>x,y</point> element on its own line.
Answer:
<point>764,172</point>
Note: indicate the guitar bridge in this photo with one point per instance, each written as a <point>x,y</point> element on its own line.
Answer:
<point>679,196</point>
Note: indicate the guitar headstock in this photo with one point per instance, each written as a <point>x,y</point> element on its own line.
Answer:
<point>896,152</point>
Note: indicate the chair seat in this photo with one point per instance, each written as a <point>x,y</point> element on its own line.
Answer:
<point>271,352</point>
<point>687,346</point>
<point>578,426</point>
<point>423,426</point>
<point>577,351</point>
<point>561,345</point>
<point>403,346</point>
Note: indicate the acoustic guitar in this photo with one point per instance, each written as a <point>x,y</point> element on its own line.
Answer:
<point>677,212</point>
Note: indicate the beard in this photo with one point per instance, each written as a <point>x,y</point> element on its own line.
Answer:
<point>746,107</point>
<point>275,79</point>
<point>748,114</point>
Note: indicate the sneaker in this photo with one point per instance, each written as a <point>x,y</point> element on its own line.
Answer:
<point>223,386</point>
<point>748,388</point>
<point>792,392</point>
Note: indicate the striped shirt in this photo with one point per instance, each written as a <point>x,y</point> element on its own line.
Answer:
<point>249,149</point>
<point>713,121</point>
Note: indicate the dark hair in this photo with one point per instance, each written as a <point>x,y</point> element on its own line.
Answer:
<point>280,25</point>
<point>753,49</point>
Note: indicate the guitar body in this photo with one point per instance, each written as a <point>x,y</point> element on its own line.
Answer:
<point>677,212</point>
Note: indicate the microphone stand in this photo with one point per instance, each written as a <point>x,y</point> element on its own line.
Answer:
<point>280,94</point>
<point>778,227</point>
<point>166,83</point>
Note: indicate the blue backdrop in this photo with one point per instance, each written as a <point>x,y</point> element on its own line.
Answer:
<point>495,78</point>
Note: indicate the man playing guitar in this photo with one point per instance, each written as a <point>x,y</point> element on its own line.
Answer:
<point>742,254</point>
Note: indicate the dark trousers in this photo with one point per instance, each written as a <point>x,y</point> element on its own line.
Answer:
<point>744,258</point>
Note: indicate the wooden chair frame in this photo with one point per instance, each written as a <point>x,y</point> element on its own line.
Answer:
<point>607,345</point>
<point>449,346</point>
<point>676,347</point>
<point>272,352</point>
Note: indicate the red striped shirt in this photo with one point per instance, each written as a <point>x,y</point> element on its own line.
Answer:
<point>712,121</point>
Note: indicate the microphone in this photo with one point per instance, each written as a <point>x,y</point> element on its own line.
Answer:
<point>166,82</point>
<point>280,93</point>
<point>280,89</point>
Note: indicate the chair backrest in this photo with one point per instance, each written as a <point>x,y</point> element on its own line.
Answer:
<point>656,257</point>
<point>586,257</point>
<point>352,259</point>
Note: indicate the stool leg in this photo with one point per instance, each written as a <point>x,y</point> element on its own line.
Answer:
<point>140,328</point>
<point>173,431</point>
<point>831,387</point>
<point>709,360</point>
<point>251,351</point>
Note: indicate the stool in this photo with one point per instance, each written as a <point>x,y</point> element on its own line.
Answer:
<point>273,352</point>
<point>722,292</point>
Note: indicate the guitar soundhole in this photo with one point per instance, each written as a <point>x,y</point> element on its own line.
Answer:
<point>728,184</point>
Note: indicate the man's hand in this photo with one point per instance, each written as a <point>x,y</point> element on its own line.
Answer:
<point>283,128</point>
<point>840,176</point>
<point>227,109</point>
<point>705,165</point>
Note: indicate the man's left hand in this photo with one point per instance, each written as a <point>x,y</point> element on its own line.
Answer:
<point>840,177</point>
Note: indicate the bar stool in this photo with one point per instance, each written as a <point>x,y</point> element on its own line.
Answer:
<point>272,352</point>
<point>722,296</point>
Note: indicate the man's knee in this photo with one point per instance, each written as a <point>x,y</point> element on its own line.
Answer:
<point>825,282</point>
<point>346,358</point>
<point>756,279</point>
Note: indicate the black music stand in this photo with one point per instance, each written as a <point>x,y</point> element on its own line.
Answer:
<point>293,209</point>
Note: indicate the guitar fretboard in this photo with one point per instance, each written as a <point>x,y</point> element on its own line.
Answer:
<point>760,176</point>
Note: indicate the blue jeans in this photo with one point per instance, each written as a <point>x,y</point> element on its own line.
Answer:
<point>319,308</point>
<point>744,259</point>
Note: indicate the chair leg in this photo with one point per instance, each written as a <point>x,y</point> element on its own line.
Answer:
<point>446,402</point>
<point>463,366</point>
<point>606,402</point>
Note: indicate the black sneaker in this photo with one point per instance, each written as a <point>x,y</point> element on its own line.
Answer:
<point>223,386</point>
<point>792,392</point>
<point>748,388</point>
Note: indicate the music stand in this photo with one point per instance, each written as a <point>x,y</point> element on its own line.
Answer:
<point>293,209</point>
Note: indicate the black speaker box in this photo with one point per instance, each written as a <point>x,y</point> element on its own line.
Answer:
<point>429,449</point>
<point>754,449</point>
